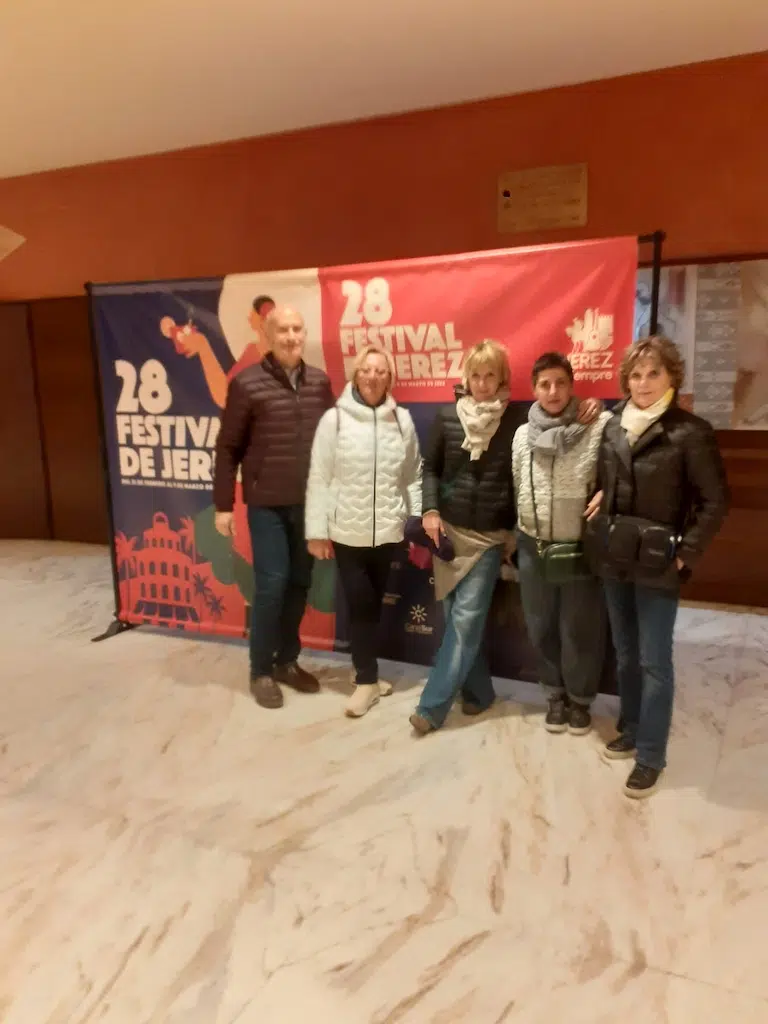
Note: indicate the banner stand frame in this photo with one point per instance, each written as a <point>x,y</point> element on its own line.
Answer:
<point>656,239</point>
<point>118,625</point>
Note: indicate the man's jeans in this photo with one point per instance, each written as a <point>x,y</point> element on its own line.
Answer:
<point>461,662</point>
<point>642,623</point>
<point>282,569</point>
<point>566,626</point>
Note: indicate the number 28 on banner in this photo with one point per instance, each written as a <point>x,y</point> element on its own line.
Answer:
<point>428,354</point>
<point>156,448</point>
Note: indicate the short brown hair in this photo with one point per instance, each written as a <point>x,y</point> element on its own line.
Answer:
<point>656,347</point>
<point>551,361</point>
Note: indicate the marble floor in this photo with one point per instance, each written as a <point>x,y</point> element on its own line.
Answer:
<point>170,853</point>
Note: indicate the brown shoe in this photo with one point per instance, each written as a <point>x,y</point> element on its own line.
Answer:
<point>296,677</point>
<point>266,692</point>
<point>420,725</point>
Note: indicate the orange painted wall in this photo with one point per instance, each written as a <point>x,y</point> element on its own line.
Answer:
<point>684,149</point>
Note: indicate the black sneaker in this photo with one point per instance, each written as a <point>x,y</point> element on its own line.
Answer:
<point>558,714</point>
<point>579,720</point>
<point>642,782</point>
<point>620,749</point>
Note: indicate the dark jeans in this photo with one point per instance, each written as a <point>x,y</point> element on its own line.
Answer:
<point>282,569</point>
<point>566,626</point>
<point>461,663</point>
<point>642,623</point>
<point>363,573</point>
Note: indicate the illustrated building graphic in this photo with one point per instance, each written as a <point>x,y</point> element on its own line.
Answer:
<point>163,586</point>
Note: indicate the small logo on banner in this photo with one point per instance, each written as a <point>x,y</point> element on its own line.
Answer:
<point>592,356</point>
<point>418,623</point>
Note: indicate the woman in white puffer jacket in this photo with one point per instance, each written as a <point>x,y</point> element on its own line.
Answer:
<point>364,482</point>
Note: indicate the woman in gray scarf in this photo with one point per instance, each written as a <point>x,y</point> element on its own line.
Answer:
<point>554,463</point>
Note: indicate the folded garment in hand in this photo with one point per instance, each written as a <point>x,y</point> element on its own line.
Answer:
<point>416,534</point>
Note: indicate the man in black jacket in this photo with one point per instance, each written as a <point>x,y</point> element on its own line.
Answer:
<point>269,422</point>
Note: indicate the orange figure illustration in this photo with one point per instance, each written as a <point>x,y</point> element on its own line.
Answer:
<point>190,342</point>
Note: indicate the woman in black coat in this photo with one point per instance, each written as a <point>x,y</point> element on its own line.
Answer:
<point>663,497</point>
<point>468,497</point>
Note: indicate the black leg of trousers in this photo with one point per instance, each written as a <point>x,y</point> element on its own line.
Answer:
<point>363,573</point>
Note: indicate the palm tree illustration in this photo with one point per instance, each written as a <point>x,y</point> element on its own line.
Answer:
<point>126,560</point>
<point>215,606</point>
<point>202,592</point>
<point>187,534</point>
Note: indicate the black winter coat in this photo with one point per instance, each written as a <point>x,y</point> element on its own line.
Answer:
<point>673,475</point>
<point>475,495</point>
<point>268,428</point>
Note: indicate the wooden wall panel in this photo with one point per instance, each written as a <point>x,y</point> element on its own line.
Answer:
<point>735,569</point>
<point>23,506</point>
<point>418,184</point>
<point>69,416</point>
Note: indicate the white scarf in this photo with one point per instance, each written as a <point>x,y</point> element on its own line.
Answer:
<point>480,421</point>
<point>636,421</point>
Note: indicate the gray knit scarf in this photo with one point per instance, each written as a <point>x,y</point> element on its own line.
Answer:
<point>554,435</point>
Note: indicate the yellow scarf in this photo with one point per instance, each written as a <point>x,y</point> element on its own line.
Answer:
<point>636,421</point>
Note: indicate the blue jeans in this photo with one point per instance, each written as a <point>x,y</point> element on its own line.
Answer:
<point>282,569</point>
<point>461,662</point>
<point>642,624</point>
<point>566,627</point>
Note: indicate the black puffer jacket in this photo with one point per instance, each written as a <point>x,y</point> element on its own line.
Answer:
<point>268,428</point>
<point>475,495</point>
<point>673,475</point>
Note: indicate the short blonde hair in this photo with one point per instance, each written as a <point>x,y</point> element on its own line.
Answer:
<point>487,353</point>
<point>374,350</point>
<point>659,348</point>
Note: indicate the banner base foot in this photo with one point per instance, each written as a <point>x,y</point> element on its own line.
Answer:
<point>115,628</point>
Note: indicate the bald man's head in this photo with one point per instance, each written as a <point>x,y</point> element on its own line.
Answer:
<point>287,335</point>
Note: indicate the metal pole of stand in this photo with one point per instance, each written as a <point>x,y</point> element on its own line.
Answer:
<point>657,240</point>
<point>117,626</point>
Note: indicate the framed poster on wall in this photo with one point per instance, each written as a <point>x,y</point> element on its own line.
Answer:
<point>717,313</point>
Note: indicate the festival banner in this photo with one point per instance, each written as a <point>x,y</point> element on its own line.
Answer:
<point>577,298</point>
<point>167,351</point>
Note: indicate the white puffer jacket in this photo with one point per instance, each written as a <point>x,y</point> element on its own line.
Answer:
<point>365,474</point>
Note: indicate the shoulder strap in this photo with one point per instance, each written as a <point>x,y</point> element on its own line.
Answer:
<point>533,498</point>
<point>551,502</point>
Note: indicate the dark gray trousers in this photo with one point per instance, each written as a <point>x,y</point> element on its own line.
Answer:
<point>566,626</point>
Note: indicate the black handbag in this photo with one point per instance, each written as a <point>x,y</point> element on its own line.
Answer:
<point>630,545</point>
<point>559,561</point>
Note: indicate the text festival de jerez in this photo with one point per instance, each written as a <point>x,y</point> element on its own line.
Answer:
<point>427,353</point>
<point>155,447</point>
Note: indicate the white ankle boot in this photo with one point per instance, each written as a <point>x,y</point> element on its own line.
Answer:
<point>362,700</point>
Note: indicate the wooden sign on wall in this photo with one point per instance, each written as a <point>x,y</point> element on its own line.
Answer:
<point>542,198</point>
